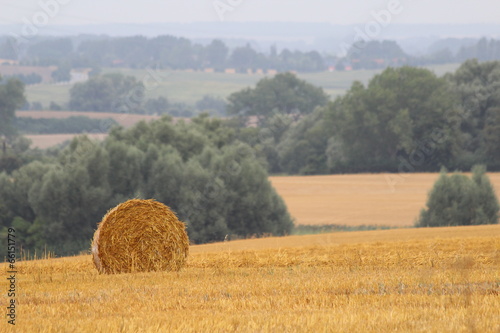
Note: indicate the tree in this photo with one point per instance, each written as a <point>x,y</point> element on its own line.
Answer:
<point>302,150</point>
<point>375,54</point>
<point>459,200</point>
<point>477,86</point>
<point>244,58</point>
<point>483,50</point>
<point>11,98</point>
<point>9,49</point>
<point>285,93</point>
<point>212,105</point>
<point>49,52</point>
<point>159,105</point>
<point>32,78</point>
<point>108,93</point>
<point>216,54</point>
<point>491,137</point>
<point>405,115</point>
<point>62,73</point>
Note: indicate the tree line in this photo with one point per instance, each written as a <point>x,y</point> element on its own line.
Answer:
<point>159,52</point>
<point>180,53</point>
<point>404,120</point>
<point>75,124</point>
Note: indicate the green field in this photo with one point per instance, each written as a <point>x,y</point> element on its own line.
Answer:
<point>189,87</point>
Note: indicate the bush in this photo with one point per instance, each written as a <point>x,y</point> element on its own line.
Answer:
<point>460,200</point>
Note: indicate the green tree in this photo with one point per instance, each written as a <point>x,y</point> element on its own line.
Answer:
<point>158,105</point>
<point>244,58</point>
<point>212,104</point>
<point>285,93</point>
<point>303,148</point>
<point>124,173</point>
<point>71,197</point>
<point>477,86</point>
<point>9,49</point>
<point>216,54</point>
<point>15,206</point>
<point>108,93</point>
<point>376,54</point>
<point>11,98</point>
<point>50,51</point>
<point>491,137</point>
<point>254,207</point>
<point>459,200</point>
<point>405,115</point>
<point>62,73</point>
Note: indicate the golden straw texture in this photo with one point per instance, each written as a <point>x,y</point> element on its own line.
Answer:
<point>140,236</point>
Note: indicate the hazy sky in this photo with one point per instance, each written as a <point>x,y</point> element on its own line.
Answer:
<point>339,12</point>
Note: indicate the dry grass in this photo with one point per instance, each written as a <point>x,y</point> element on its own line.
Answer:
<point>415,282</point>
<point>363,199</point>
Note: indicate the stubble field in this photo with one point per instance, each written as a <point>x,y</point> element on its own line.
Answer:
<point>393,200</point>
<point>405,280</point>
<point>402,280</point>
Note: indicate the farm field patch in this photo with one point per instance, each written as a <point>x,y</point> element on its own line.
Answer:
<point>362,199</point>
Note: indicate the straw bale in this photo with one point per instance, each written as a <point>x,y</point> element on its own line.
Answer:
<point>140,236</point>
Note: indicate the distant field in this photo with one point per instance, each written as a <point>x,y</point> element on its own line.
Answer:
<point>189,87</point>
<point>353,200</point>
<point>46,93</point>
<point>407,280</point>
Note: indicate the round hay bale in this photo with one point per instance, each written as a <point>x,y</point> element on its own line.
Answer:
<point>140,236</point>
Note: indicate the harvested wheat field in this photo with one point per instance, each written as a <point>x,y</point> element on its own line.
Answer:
<point>404,280</point>
<point>365,199</point>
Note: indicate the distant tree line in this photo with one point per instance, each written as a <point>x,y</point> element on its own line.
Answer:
<point>27,79</point>
<point>76,124</point>
<point>159,52</point>
<point>382,54</point>
<point>373,55</point>
<point>180,54</point>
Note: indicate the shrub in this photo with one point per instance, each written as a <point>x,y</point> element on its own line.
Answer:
<point>460,200</point>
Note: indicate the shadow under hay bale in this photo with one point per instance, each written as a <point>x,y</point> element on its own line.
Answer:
<point>140,236</point>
